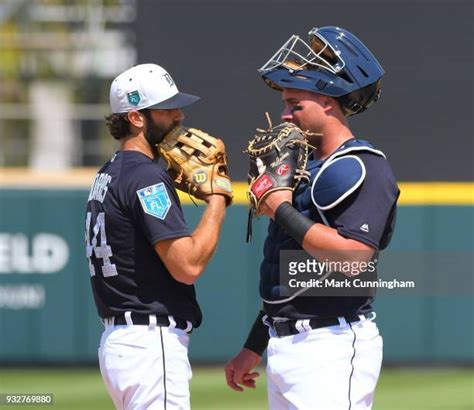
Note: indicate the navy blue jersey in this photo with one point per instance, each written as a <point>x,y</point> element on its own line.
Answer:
<point>133,205</point>
<point>366,215</point>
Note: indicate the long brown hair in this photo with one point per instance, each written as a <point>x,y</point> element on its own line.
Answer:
<point>118,124</point>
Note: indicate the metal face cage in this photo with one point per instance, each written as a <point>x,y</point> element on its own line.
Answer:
<point>296,54</point>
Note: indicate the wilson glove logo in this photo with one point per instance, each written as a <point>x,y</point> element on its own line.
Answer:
<point>200,177</point>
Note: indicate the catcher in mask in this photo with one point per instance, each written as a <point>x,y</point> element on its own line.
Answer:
<point>143,260</point>
<point>323,345</point>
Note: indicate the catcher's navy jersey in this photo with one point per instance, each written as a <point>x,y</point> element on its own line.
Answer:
<point>368,216</point>
<point>132,205</point>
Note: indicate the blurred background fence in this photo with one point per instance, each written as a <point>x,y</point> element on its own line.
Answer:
<point>47,313</point>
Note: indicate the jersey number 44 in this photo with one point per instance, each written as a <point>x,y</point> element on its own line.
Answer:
<point>103,251</point>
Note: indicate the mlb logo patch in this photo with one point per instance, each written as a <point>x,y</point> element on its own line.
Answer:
<point>133,98</point>
<point>155,200</point>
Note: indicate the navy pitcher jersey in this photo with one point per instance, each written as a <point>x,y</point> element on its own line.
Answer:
<point>133,205</point>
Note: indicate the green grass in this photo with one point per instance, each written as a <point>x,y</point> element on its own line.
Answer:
<point>407,389</point>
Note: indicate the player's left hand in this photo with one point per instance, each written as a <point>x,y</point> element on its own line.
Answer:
<point>238,370</point>
<point>197,162</point>
<point>277,162</point>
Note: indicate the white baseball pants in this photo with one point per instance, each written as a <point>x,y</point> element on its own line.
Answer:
<point>146,367</point>
<point>331,368</point>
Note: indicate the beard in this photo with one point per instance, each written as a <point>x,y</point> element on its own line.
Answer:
<point>156,132</point>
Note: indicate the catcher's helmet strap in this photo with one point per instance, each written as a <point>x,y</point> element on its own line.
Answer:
<point>336,181</point>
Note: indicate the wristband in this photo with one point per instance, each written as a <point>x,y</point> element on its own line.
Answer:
<point>258,337</point>
<point>294,223</point>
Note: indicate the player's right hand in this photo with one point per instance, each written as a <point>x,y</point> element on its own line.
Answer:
<point>238,370</point>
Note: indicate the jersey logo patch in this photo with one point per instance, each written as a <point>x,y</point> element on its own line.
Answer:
<point>364,228</point>
<point>155,200</point>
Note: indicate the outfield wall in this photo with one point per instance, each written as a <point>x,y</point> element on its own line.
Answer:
<point>47,313</point>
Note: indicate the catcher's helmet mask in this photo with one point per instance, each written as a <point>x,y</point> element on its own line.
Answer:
<point>333,62</point>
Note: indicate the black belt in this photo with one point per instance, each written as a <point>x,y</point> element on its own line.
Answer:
<point>144,319</point>
<point>293,327</point>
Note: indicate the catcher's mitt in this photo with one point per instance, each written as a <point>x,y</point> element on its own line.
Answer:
<point>278,158</point>
<point>197,162</point>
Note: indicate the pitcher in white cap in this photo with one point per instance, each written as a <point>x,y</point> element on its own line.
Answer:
<point>143,260</point>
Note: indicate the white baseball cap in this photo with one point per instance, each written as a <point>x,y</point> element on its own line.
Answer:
<point>147,86</point>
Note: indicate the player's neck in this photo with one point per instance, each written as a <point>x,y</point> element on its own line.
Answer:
<point>332,139</point>
<point>137,143</point>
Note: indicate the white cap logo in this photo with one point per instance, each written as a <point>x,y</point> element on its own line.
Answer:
<point>169,79</point>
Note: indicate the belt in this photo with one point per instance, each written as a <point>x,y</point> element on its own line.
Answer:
<point>133,318</point>
<point>293,327</point>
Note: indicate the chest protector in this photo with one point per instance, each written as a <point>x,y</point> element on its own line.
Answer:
<point>333,180</point>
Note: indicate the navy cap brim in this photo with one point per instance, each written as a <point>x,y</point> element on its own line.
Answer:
<point>179,100</point>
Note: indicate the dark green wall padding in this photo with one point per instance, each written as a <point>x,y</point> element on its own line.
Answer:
<point>67,329</point>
